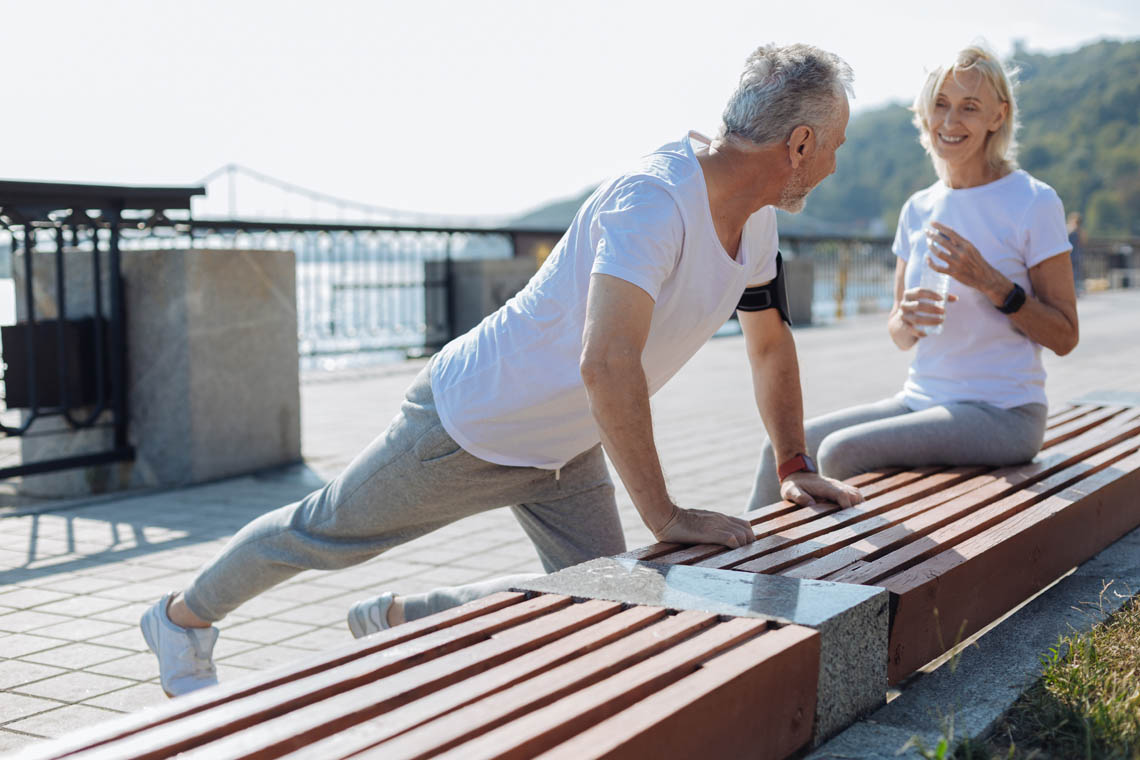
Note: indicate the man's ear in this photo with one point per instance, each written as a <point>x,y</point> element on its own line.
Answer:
<point>800,145</point>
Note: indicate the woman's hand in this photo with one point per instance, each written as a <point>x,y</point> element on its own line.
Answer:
<point>1048,317</point>
<point>914,310</point>
<point>920,308</point>
<point>956,256</point>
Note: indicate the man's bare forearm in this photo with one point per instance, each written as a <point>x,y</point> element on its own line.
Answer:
<point>776,384</point>
<point>618,316</point>
<point>619,400</point>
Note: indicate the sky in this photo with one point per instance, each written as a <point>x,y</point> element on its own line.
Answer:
<point>461,108</point>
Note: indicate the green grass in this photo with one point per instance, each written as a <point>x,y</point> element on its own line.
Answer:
<point>1086,703</point>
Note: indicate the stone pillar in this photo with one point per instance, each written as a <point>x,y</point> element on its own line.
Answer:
<point>212,366</point>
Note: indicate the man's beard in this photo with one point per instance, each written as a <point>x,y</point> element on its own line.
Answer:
<point>794,195</point>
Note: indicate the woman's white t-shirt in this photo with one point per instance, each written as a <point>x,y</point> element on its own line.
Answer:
<point>510,392</point>
<point>1015,222</point>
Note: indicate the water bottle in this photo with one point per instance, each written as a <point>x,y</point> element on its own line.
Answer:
<point>940,284</point>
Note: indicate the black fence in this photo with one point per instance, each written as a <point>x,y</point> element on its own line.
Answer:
<point>365,288</point>
<point>64,351</point>
<point>853,275</point>
<point>1103,264</point>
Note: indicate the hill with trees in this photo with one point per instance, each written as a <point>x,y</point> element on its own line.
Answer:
<point>1080,117</point>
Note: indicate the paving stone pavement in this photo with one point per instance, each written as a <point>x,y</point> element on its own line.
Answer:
<point>74,578</point>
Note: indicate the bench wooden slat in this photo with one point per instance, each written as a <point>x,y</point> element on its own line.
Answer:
<point>552,724</point>
<point>806,527</point>
<point>1069,413</point>
<point>660,551</point>
<point>534,693</point>
<point>432,706</point>
<point>832,540</point>
<point>770,518</point>
<point>821,536</point>
<point>868,478</point>
<point>900,479</point>
<point>1080,425</point>
<point>190,731</point>
<point>884,478</point>
<point>784,662</point>
<point>683,553</point>
<point>976,520</point>
<point>991,487</point>
<point>651,552</point>
<point>839,548</point>
<point>199,701</point>
<point>1011,561</point>
<point>691,555</point>
<point>319,719</point>
<point>768,530</point>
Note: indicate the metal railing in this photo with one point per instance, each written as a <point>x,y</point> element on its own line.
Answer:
<point>364,287</point>
<point>385,288</point>
<point>1103,263</point>
<point>853,275</point>
<point>64,334</point>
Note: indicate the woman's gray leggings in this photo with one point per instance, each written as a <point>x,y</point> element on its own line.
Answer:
<point>889,433</point>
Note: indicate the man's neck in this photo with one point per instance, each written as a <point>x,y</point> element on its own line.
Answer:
<point>740,183</point>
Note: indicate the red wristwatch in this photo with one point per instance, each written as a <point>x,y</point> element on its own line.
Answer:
<point>798,463</point>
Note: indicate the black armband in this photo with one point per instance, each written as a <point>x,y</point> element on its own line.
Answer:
<point>773,295</point>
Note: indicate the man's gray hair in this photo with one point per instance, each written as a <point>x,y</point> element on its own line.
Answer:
<point>782,88</point>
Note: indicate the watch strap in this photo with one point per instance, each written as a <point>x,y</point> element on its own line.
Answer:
<point>1014,301</point>
<point>798,463</point>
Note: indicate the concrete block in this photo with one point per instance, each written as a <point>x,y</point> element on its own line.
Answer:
<point>852,620</point>
<point>212,365</point>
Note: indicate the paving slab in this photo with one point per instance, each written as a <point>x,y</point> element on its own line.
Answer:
<point>16,673</point>
<point>63,719</point>
<point>76,656</point>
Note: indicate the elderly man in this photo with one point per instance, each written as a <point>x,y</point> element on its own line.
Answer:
<point>516,412</point>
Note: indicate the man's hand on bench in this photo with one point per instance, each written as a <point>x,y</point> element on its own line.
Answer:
<point>806,488</point>
<point>701,526</point>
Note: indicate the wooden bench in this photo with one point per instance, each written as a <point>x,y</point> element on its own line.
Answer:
<point>521,675</point>
<point>956,547</point>
<point>510,676</point>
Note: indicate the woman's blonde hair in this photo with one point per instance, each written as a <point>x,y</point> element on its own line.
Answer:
<point>1001,145</point>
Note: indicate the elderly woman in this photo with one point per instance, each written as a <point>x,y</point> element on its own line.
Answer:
<point>975,392</point>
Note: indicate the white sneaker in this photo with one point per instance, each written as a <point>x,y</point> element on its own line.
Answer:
<point>185,655</point>
<point>370,616</point>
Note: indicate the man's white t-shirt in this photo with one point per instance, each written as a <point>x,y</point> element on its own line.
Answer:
<point>510,392</point>
<point>1015,222</point>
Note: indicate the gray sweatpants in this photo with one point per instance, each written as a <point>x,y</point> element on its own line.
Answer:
<point>889,433</point>
<point>411,480</point>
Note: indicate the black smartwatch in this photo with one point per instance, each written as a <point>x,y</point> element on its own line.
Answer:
<point>1014,301</point>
